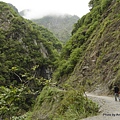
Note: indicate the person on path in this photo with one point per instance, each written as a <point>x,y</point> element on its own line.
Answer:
<point>116,92</point>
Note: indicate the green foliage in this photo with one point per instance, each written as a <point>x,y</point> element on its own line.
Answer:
<point>92,28</point>
<point>71,53</point>
<point>13,101</point>
<point>81,33</point>
<point>23,46</point>
<point>14,8</point>
<point>28,50</point>
<point>79,24</point>
<point>75,106</point>
<point>26,53</point>
<point>105,4</point>
<point>67,66</point>
<point>94,3</point>
<point>61,26</point>
<point>56,104</point>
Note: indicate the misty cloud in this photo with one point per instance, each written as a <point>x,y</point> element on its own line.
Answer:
<point>40,8</point>
<point>31,14</point>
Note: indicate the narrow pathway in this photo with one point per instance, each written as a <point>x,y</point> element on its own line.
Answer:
<point>109,108</point>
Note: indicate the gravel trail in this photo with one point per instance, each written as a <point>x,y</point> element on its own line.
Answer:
<point>109,108</point>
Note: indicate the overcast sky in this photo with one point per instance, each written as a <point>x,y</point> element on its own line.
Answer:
<point>41,8</point>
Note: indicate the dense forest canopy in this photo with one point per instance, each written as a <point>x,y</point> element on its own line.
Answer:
<point>27,58</point>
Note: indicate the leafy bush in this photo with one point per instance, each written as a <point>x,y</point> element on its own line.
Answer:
<point>105,4</point>
<point>69,104</point>
<point>12,101</point>
<point>67,66</point>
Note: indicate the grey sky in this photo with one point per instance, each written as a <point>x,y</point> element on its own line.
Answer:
<point>40,8</point>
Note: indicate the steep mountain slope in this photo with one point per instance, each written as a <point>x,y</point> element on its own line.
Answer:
<point>61,26</point>
<point>93,53</point>
<point>88,62</point>
<point>20,35</point>
<point>27,56</point>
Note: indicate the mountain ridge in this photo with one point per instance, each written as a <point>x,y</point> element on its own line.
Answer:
<point>60,25</point>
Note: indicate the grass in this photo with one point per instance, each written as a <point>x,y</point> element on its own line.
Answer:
<point>56,104</point>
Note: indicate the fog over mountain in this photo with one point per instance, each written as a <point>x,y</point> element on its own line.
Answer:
<point>60,25</point>
<point>32,14</point>
<point>44,7</point>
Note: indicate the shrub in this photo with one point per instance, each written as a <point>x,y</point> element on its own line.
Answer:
<point>57,104</point>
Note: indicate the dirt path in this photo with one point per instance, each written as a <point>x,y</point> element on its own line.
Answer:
<point>109,108</point>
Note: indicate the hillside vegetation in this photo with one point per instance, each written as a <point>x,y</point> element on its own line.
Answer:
<point>14,8</point>
<point>27,58</point>
<point>61,25</point>
<point>89,60</point>
<point>91,56</point>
